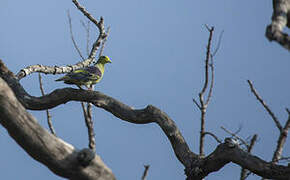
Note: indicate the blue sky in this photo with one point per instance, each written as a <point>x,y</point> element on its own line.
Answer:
<point>158,51</point>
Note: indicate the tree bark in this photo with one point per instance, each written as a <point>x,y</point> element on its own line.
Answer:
<point>64,160</point>
<point>60,157</point>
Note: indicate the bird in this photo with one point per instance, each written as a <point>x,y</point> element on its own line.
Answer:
<point>87,76</point>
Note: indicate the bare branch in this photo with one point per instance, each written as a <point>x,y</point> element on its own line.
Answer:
<point>90,127</point>
<point>65,69</point>
<point>87,112</point>
<point>219,44</point>
<point>196,167</point>
<point>283,131</point>
<point>281,140</point>
<point>104,41</point>
<point>48,116</point>
<point>237,137</point>
<point>196,103</point>
<point>87,14</point>
<point>89,124</point>
<point>211,83</point>
<point>211,65</point>
<point>140,116</point>
<point>203,105</point>
<point>84,110</point>
<point>244,172</point>
<point>280,19</point>
<point>72,36</point>
<point>275,119</point>
<point>145,172</point>
<point>60,157</point>
<point>206,61</point>
<point>214,136</point>
<point>226,153</point>
<point>87,27</point>
<point>253,141</point>
<point>100,26</point>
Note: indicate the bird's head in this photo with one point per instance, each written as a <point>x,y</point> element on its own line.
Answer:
<point>104,60</point>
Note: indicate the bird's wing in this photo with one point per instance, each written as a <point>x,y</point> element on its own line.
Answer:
<point>94,70</point>
<point>90,73</point>
<point>80,75</point>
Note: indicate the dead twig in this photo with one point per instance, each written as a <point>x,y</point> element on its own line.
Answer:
<point>48,116</point>
<point>214,136</point>
<point>72,36</point>
<point>244,172</point>
<point>100,26</point>
<point>219,44</point>
<point>87,27</point>
<point>104,41</point>
<point>275,119</point>
<point>236,136</point>
<point>281,140</point>
<point>212,81</point>
<point>204,103</point>
<point>65,69</point>
<point>145,171</point>
<point>283,130</point>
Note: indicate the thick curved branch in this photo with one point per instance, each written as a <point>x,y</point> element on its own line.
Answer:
<point>196,167</point>
<point>140,116</point>
<point>226,153</point>
<point>60,157</point>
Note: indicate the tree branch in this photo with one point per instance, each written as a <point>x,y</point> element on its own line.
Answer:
<point>87,28</point>
<point>196,167</point>
<point>203,104</point>
<point>86,111</point>
<point>100,26</point>
<point>237,137</point>
<point>72,36</point>
<point>245,172</point>
<point>281,140</point>
<point>275,119</point>
<point>214,136</point>
<point>280,19</point>
<point>104,41</point>
<point>65,69</point>
<point>140,116</point>
<point>146,168</point>
<point>60,157</point>
<point>226,153</point>
<point>48,116</point>
<point>90,127</point>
